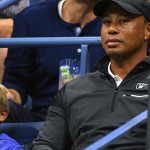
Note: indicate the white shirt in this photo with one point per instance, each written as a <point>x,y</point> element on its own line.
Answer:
<point>117,79</point>
<point>60,4</point>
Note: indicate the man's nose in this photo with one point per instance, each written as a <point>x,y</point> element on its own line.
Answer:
<point>113,29</point>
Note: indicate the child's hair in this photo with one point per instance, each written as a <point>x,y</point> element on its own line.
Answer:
<point>3,100</point>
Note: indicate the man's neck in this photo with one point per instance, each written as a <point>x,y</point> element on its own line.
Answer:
<point>75,12</point>
<point>123,67</point>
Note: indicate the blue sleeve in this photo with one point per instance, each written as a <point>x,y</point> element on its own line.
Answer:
<point>19,62</point>
<point>17,147</point>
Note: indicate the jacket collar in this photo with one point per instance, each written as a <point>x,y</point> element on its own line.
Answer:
<point>102,64</point>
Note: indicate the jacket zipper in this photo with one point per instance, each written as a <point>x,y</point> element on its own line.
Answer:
<point>113,100</point>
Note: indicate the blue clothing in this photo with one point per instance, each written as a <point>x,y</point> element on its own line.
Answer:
<point>35,71</point>
<point>7,143</point>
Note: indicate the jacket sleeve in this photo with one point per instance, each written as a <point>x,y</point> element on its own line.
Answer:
<point>19,62</point>
<point>54,133</point>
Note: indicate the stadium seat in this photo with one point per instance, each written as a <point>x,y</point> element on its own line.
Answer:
<point>23,133</point>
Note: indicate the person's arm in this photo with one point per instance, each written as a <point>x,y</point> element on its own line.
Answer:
<point>16,96</point>
<point>3,54</point>
<point>12,94</point>
<point>6,26</point>
<point>54,134</point>
<point>18,65</point>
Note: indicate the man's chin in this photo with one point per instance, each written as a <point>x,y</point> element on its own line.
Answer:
<point>116,55</point>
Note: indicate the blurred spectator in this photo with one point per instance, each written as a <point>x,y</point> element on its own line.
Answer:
<point>11,11</point>
<point>35,71</point>
<point>3,53</point>
<point>7,15</point>
<point>33,2</point>
<point>6,27</point>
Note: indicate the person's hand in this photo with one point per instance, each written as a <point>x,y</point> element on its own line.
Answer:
<point>9,94</point>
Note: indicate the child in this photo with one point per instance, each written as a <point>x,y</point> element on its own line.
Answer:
<point>6,142</point>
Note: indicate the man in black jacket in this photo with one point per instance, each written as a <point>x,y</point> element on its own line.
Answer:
<point>90,107</point>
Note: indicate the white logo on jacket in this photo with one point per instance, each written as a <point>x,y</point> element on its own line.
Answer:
<point>141,86</point>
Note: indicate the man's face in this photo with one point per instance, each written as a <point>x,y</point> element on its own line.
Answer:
<point>122,33</point>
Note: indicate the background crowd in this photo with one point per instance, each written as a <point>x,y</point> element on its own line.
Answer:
<point>34,72</point>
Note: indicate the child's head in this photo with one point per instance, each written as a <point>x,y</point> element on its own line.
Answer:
<point>4,109</point>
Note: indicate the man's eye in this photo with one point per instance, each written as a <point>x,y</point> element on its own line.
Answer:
<point>124,20</point>
<point>106,22</point>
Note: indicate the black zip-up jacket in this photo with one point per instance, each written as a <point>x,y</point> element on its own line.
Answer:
<point>91,106</point>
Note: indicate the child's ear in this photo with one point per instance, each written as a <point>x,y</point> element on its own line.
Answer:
<point>3,114</point>
<point>147,32</point>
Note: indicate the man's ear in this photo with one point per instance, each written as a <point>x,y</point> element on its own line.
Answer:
<point>4,114</point>
<point>147,31</point>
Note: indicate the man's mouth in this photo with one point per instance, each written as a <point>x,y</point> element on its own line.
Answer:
<point>113,42</point>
